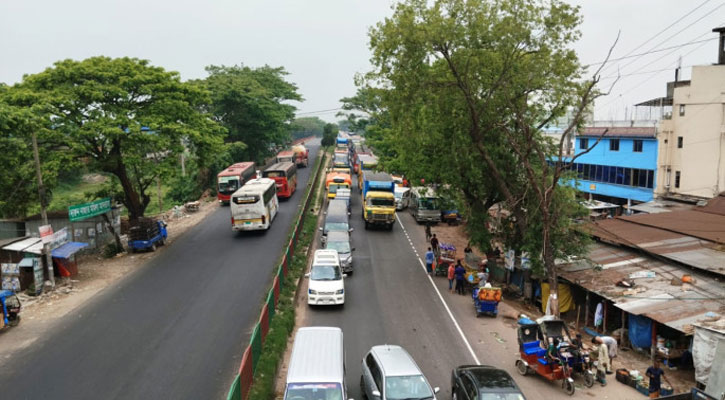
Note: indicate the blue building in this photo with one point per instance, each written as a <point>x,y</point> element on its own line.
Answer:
<point>622,167</point>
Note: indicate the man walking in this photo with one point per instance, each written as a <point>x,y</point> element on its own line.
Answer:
<point>451,276</point>
<point>460,273</point>
<point>427,230</point>
<point>429,258</point>
<point>655,375</point>
<point>434,245</point>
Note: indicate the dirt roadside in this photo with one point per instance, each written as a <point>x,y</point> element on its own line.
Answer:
<point>40,314</point>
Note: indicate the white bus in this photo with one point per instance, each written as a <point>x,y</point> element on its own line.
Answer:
<point>255,205</point>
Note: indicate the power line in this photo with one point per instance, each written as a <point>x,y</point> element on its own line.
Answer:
<point>319,111</point>
<point>654,51</point>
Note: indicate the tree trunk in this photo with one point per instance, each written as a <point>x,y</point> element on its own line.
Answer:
<point>116,236</point>
<point>549,262</point>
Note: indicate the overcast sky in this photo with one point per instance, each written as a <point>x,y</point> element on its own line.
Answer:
<point>323,43</point>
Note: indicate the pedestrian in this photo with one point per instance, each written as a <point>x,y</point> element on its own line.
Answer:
<point>434,245</point>
<point>611,344</point>
<point>427,231</point>
<point>468,249</point>
<point>429,258</point>
<point>655,375</point>
<point>451,276</point>
<point>460,273</point>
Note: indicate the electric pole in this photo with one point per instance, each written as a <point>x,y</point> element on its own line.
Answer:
<point>43,212</point>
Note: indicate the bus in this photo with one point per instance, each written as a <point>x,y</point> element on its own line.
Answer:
<point>232,178</point>
<point>285,174</point>
<point>334,181</point>
<point>287,156</point>
<point>254,206</point>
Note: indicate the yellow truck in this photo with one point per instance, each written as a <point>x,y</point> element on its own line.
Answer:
<point>378,199</point>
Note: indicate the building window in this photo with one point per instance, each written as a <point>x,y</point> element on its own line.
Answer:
<point>680,140</point>
<point>633,177</point>
<point>614,144</point>
<point>583,144</point>
<point>637,146</point>
<point>682,110</point>
<point>677,179</point>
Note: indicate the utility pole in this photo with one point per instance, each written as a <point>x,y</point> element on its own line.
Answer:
<point>43,212</point>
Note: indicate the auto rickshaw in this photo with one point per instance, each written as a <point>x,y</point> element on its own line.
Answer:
<point>533,357</point>
<point>580,361</point>
<point>10,305</point>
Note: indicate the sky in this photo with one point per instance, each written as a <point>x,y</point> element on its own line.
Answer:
<point>324,43</point>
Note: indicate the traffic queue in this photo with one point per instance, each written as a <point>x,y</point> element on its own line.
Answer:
<point>253,196</point>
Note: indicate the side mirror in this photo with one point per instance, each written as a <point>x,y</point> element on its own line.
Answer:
<point>351,229</point>
<point>307,275</point>
<point>376,393</point>
<point>436,389</point>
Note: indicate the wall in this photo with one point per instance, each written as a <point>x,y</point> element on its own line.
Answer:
<point>702,128</point>
<point>80,230</point>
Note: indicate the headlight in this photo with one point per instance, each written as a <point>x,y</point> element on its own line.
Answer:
<point>311,291</point>
<point>341,291</point>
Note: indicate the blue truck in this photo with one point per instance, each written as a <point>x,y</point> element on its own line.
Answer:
<point>147,234</point>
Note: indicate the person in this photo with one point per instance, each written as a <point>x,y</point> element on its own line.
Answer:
<point>482,275</point>
<point>429,258</point>
<point>451,276</point>
<point>460,277</point>
<point>603,365</point>
<point>552,352</point>
<point>655,375</point>
<point>468,249</point>
<point>427,230</point>
<point>434,245</point>
<point>611,344</point>
<point>497,252</point>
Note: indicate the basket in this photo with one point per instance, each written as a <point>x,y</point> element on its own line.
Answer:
<point>642,389</point>
<point>623,376</point>
<point>665,391</point>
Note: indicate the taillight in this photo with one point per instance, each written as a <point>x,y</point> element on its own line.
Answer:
<point>232,220</point>
<point>264,218</point>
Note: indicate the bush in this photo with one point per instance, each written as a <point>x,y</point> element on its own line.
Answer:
<point>184,188</point>
<point>111,249</point>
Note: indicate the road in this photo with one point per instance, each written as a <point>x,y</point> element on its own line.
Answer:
<point>175,328</point>
<point>390,299</point>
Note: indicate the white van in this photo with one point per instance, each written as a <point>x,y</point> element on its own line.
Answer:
<point>327,282</point>
<point>402,197</point>
<point>317,365</point>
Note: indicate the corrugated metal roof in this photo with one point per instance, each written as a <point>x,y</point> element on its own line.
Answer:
<point>22,244</point>
<point>715,205</point>
<point>675,305</point>
<point>689,222</point>
<point>619,131</point>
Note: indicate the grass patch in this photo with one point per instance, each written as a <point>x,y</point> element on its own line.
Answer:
<point>283,323</point>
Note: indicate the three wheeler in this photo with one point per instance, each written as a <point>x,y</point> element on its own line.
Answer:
<point>486,299</point>
<point>10,305</point>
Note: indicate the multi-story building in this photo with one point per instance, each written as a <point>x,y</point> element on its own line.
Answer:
<point>692,137</point>
<point>621,168</point>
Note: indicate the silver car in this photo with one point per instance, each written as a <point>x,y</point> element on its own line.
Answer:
<point>390,373</point>
<point>340,241</point>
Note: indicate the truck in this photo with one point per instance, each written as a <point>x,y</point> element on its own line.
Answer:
<point>302,155</point>
<point>378,199</point>
<point>146,234</point>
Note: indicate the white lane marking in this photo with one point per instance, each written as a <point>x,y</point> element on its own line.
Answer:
<point>440,296</point>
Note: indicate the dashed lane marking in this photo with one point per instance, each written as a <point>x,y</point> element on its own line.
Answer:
<point>440,296</point>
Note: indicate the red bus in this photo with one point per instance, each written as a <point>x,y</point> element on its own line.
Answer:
<point>285,175</point>
<point>232,178</point>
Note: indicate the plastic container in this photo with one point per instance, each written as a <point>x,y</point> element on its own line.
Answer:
<point>623,376</point>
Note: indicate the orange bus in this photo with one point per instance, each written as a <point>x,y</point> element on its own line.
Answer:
<point>334,181</point>
<point>285,176</point>
<point>232,178</point>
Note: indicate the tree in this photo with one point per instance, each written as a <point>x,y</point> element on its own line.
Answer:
<point>127,118</point>
<point>329,135</point>
<point>475,82</point>
<point>307,126</point>
<point>252,103</point>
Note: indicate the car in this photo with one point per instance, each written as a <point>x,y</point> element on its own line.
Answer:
<point>340,241</point>
<point>327,282</point>
<point>390,373</point>
<point>483,382</point>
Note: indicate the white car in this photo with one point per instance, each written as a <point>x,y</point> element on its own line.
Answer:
<point>327,282</point>
<point>402,197</point>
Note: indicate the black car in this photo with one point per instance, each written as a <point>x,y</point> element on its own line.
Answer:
<point>483,382</point>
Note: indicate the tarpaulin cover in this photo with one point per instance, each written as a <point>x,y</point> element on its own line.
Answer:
<point>704,345</point>
<point>68,249</point>
<point>566,302</point>
<point>640,331</point>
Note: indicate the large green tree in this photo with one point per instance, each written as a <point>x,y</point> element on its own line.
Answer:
<point>253,104</point>
<point>471,83</point>
<point>128,118</point>
<point>307,126</point>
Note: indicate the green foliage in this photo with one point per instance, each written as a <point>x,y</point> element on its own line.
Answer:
<point>329,135</point>
<point>127,118</point>
<point>252,104</point>
<point>307,126</point>
<point>468,86</point>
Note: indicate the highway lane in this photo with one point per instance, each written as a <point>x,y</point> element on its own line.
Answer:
<point>389,300</point>
<point>175,328</point>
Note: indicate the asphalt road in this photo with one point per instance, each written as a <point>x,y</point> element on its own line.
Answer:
<point>389,300</point>
<point>175,328</point>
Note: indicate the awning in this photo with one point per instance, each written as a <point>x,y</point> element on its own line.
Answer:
<point>22,244</point>
<point>68,249</point>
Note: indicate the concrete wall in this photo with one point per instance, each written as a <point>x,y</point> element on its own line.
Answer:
<point>702,127</point>
<point>80,231</point>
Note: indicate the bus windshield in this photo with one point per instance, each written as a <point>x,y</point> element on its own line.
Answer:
<point>228,184</point>
<point>325,273</point>
<point>314,391</point>
<point>335,186</point>
<point>428,203</point>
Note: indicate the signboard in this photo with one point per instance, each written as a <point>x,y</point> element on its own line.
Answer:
<point>80,212</point>
<point>59,238</point>
<point>46,233</point>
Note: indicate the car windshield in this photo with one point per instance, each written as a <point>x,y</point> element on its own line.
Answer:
<point>314,391</point>
<point>500,396</point>
<point>325,273</point>
<point>407,388</point>
<point>341,247</point>
<point>381,202</point>
<point>428,203</point>
<point>398,195</point>
<point>336,226</point>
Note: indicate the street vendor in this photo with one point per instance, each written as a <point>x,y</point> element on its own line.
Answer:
<point>482,274</point>
<point>611,344</point>
<point>655,375</point>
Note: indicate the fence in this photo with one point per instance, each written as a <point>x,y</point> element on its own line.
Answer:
<point>245,376</point>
